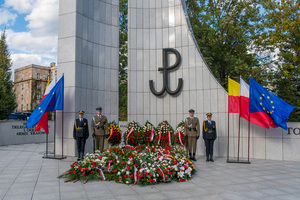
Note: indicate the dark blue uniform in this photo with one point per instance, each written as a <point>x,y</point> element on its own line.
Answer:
<point>80,134</point>
<point>209,136</point>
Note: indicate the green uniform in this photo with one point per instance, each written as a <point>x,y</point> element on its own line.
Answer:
<point>99,126</point>
<point>192,130</point>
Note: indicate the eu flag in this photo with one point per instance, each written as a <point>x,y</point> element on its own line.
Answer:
<point>263,101</point>
<point>53,101</point>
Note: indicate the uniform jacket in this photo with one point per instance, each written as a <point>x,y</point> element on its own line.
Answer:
<point>81,129</point>
<point>192,127</point>
<point>99,126</point>
<point>209,130</point>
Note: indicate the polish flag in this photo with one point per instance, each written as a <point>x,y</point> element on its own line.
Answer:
<point>43,123</point>
<point>258,118</point>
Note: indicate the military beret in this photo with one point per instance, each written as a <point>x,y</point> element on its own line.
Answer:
<point>191,111</point>
<point>208,114</point>
<point>99,108</point>
<point>81,112</point>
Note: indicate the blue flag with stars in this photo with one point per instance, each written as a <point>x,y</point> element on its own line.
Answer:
<point>261,100</point>
<point>53,101</point>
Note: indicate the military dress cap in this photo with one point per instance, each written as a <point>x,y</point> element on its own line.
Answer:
<point>99,109</point>
<point>81,112</point>
<point>191,111</point>
<point>208,114</point>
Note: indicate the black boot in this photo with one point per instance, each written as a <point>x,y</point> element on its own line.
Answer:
<point>194,159</point>
<point>191,158</point>
<point>82,155</point>
<point>78,156</point>
<point>211,159</point>
<point>207,159</point>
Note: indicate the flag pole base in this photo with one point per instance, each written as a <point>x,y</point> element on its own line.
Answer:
<point>54,157</point>
<point>239,161</point>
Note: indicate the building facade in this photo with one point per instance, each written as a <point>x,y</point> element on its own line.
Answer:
<point>30,83</point>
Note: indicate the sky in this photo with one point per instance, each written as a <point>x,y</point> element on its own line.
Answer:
<point>31,29</point>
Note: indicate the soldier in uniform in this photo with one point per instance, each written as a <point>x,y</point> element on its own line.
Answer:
<point>209,136</point>
<point>192,132</point>
<point>99,128</point>
<point>80,133</point>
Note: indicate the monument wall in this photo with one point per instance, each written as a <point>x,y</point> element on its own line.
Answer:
<point>15,132</point>
<point>88,55</point>
<point>155,25</point>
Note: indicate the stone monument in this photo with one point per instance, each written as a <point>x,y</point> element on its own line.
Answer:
<point>88,55</point>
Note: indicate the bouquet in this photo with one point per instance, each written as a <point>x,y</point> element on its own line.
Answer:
<point>180,135</point>
<point>133,136</point>
<point>165,134</point>
<point>114,134</point>
<point>141,165</point>
<point>149,132</point>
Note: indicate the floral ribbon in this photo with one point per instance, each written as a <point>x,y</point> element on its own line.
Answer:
<point>164,178</point>
<point>169,135</point>
<point>179,135</point>
<point>108,167</point>
<point>130,131</point>
<point>135,176</point>
<point>152,134</point>
<point>101,173</point>
<point>111,132</point>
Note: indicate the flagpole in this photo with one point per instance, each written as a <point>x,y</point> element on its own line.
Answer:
<point>54,133</point>
<point>62,133</point>
<point>228,137</point>
<point>249,139</point>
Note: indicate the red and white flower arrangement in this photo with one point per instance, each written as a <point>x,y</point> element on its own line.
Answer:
<point>114,134</point>
<point>165,134</point>
<point>150,133</point>
<point>180,134</point>
<point>133,136</point>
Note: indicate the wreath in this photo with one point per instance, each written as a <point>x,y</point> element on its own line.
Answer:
<point>114,134</point>
<point>165,134</point>
<point>133,136</point>
<point>180,135</point>
<point>150,133</point>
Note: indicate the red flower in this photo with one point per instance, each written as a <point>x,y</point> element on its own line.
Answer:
<point>146,173</point>
<point>175,162</point>
<point>135,165</point>
<point>181,180</point>
<point>83,175</point>
<point>131,175</point>
<point>185,166</point>
<point>128,168</point>
<point>125,176</point>
<point>150,175</point>
<point>92,172</point>
<point>166,177</point>
<point>150,179</point>
<point>153,181</point>
<point>123,163</point>
<point>74,171</point>
<point>119,179</point>
<point>115,170</point>
<point>86,168</point>
<point>165,171</point>
<point>70,171</point>
<point>83,170</point>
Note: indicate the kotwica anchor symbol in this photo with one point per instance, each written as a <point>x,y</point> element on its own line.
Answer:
<point>166,68</point>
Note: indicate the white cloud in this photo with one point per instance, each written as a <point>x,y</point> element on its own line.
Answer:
<point>43,20</point>
<point>21,6</point>
<point>7,17</point>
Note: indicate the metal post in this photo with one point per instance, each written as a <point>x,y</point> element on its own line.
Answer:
<point>47,144</point>
<point>249,139</point>
<point>54,133</point>
<point>228,138</point>
<point>62,135</point>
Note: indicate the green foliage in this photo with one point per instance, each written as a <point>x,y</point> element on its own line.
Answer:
<point>281,36</point>
<point>123,51</point>
<point>224,32</point>
<point>7,96</point>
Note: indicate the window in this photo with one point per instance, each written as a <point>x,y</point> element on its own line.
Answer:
<point>38,86</point>
<point>38,97</point>
<point>22,97</point>
<point>26,106</point>
<point>38,75</point>
<point>22,76</point>
<point>22,87</point>
<point>21,107</point>
<point>55,73</point>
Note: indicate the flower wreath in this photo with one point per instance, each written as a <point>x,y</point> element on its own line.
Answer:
<point>114,134</point>
<point>133,135</point>
<point>180,135</point>
<point>150,133</point>
<point>165,134</point>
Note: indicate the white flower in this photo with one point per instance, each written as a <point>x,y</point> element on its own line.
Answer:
<point>127,172</point>
<point>128,162</point>
<point>127,182</point>
<point>148,171</point>
<point>123,170</point>
<point>119,173</point>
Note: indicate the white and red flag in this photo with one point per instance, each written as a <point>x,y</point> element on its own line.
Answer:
<point>43,123</point>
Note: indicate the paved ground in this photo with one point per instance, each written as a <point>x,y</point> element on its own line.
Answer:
<point>24,174</point>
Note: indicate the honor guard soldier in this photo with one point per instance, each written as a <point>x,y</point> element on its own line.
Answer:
<point>80,133</point>
<point>209,136</point>
<point>192,132</point>
<point>99,129</point>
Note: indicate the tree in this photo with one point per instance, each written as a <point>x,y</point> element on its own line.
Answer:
<point>7,96</point>
<point>281,35</point>
<point>123,54</point>
<point>224,30</point>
